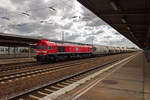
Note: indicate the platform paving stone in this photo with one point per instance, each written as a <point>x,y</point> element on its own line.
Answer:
<point>124,84</point>
<point>110,94</point>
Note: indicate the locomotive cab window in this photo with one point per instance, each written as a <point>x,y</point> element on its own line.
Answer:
<point>44,47</point>
<point>39,47</point>
<point>50,48</point>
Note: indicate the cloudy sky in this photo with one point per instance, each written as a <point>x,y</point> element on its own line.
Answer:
<point>52,18</point>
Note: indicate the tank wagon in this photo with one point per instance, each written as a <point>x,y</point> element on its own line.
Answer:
<point>47,51</point>
<point>100,50</point>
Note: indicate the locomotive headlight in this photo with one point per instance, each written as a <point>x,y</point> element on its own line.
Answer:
<point>44,51</point>
<point>38,51</point>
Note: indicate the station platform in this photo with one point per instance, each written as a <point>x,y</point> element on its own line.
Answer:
<point>129,82</point>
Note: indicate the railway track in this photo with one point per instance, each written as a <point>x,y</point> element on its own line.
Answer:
<point>45,74</point>
<point>5,62</point>
<point>8,67</point>
<point>44,90</point>
<point>20,65</point>
<point>29,73</point>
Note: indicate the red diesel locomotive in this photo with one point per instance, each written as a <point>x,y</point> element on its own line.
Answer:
<point>47,51</point>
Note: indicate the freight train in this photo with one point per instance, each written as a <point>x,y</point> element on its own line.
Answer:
<point>47,51</point>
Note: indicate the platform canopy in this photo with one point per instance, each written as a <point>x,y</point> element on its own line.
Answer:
<point>25,41</point>
<point>129,17</point>
<point>16,40</point>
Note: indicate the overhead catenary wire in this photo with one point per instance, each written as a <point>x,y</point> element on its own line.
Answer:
<point>28,13</point>
<point>23,13</point>
<point>50,7</point>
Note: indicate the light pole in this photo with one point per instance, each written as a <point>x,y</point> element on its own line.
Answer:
<point>63,38</point>
<point>92,41</point>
